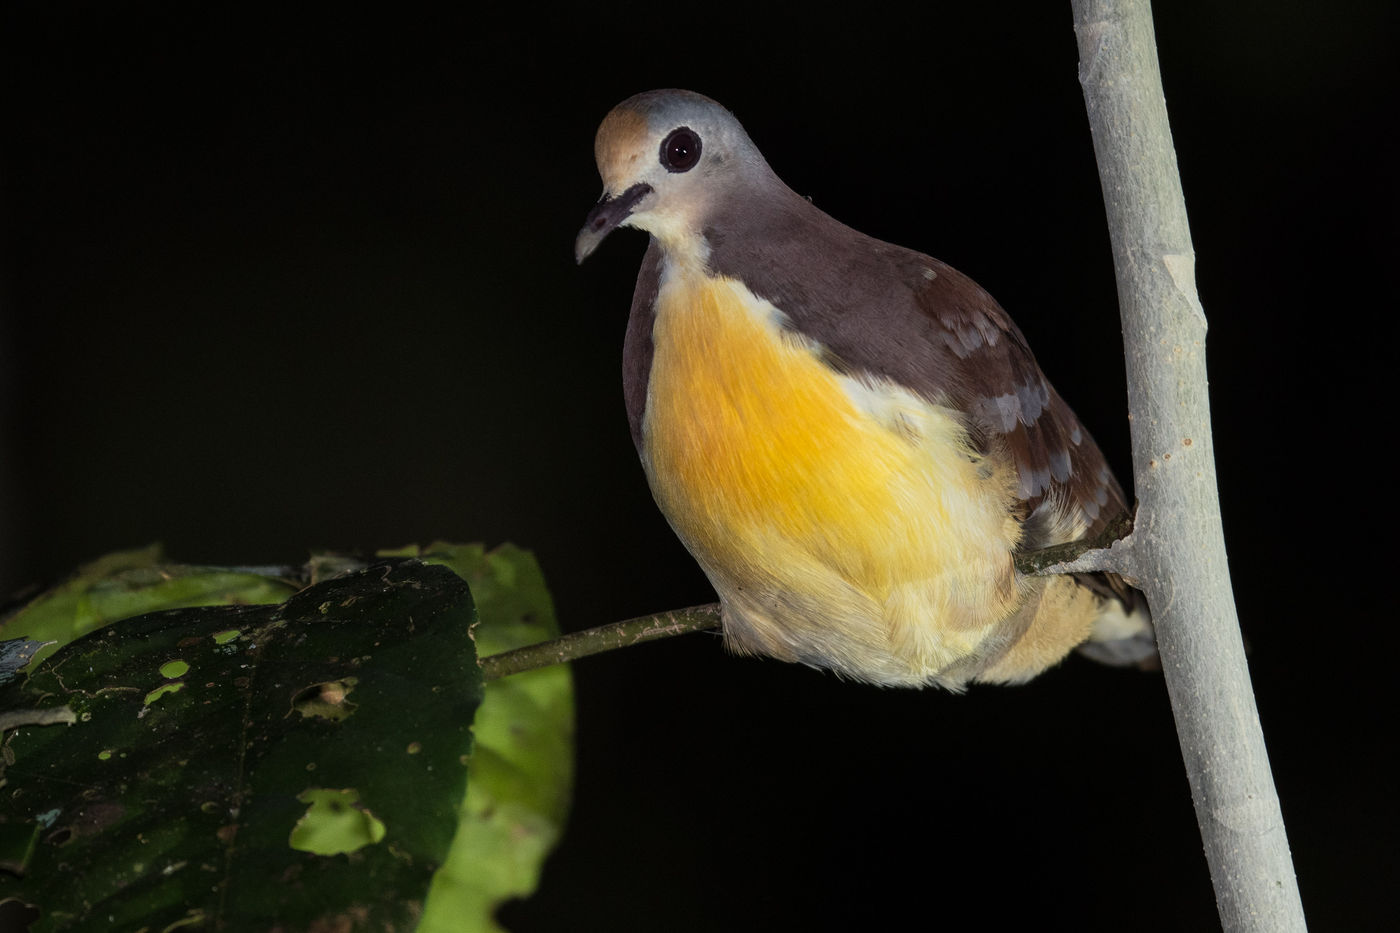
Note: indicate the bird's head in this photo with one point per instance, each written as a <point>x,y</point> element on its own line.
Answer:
<point>666,157</point>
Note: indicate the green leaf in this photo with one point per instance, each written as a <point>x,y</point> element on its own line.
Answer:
<point>185,793</point>
<point>522,767</point>
<point>130,583</point>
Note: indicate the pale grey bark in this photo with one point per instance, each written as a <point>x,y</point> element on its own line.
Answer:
<point>1176,553</point>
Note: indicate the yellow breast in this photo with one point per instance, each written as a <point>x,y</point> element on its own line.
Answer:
<point>834,517</point>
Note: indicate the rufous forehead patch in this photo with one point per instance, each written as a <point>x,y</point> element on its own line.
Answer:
<point>620,143</point>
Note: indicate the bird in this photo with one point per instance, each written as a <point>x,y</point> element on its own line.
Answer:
<point>851,438</point>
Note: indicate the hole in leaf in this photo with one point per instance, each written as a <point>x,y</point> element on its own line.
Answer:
<point>173,669</point>
<point>327,700</point>
<point>162,690</point>
<point>334,823</point>
<point>16,915</point>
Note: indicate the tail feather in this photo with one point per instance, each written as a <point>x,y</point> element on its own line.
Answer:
<point>1122,634</point>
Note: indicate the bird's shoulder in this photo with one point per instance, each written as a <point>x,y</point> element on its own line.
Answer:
<point>877,306</point>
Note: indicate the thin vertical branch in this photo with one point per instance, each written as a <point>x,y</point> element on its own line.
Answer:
<point>1178,548</point>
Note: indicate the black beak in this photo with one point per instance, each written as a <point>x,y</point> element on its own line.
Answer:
<point>606,216</point>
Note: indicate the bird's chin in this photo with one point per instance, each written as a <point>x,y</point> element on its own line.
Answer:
<point>607,215</point>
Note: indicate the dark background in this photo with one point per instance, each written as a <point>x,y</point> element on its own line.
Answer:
<point>276,279</point>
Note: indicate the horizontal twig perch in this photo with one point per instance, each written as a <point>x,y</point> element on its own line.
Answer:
<point>603,638</point>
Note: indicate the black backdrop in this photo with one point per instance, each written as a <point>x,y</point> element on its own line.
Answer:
<point>279,278</point>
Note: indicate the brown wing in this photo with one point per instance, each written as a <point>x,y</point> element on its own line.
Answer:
<point>1066,485</point>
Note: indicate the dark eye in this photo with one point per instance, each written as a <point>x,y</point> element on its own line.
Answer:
<point>680,150</point>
